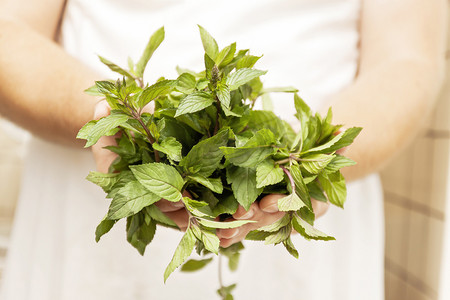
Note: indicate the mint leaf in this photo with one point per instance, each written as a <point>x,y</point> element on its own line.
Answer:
<point>223,93</point>
<point>300,187</point>
<point>160,179</point>
<point>214,184</point>
<point>209,43</point>
<point>247,61</point>
<point>205,157</point>
<point>279,236</point>
<point>242,76</point>
<point>339,162</point>
<point>195,265</point>
<point>342,140</point>
<point>315,163</point>
<point>287,89</point>
<point>105,181</point>
<point>153,44</point>
<point>154,91</point>
<point>171,147</point>
<point>308,231</point>
<point>115,67</point>
<point>130,199</point>
<point>290,247</point>
<point>291,202</point>
<point>277,225</point>
<point>243,184</point>
<point>105,126</point>
<point>157,215</point>
<point>182,252</point>
<point>268,173</point>
<point>194,102</point>
<point>103,228</point>
<point>140,233</point>
<point>334,186</point>
<point>223,225</point>
<point>226,55</point>
<point>186,83</point>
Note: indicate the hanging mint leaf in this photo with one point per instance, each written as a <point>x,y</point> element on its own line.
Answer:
<point>182,252</point>
<point>214,184</point>
<point>160,179</point>
<point>153,44</point>
<point>103,228</point>
<point>194,102</point>
<point>291,202</point>
<point>309,231</point>
<point>195,265</point>
<point>140,233</point>
<point>105,181</point>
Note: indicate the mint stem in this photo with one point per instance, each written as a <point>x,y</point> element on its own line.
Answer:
<point>291,179</point>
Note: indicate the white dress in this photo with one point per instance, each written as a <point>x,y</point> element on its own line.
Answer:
<point>310,44</point>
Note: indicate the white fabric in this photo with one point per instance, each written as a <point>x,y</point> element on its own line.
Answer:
<point>310,44</point>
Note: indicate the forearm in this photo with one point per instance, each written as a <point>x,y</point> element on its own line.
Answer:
<point>391,102</point>
<point>42,91</point>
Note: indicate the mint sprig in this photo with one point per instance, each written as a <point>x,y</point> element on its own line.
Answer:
<point>205,138</point>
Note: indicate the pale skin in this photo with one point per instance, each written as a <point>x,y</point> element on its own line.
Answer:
<point>401,68</point>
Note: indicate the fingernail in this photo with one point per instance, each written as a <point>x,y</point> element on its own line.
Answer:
<point>271,208</point>
<point>236,232</point>
<point>177,204</point>
<point>247,215</point>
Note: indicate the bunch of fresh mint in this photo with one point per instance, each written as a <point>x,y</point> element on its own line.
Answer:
<point>204,137</point>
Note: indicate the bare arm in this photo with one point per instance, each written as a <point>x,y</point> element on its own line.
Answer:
<point>40,84</point>
<point>401,69</point>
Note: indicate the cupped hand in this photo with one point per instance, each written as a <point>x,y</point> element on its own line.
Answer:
<point>264,213</point>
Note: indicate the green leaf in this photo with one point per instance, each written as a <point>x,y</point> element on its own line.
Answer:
<point>129,200</point>
<point>195,265</point>
<point>140,233</point>
<point>301,107</point>
<point>279,236</point>
<point>225,292</point>
<point>242,76</point>
<point>316,192</point>
<point>226,55</point>
<point>277,225</point>
<point>268,173</point>
<point>291,202</point>
<point>205,156</point>
<point>214,184</point>
<point>93,91</point>
<point>153,44</point>
<point>248,61</point>
<point>106,87</point>
<point>315,163</point>
<point>257,149</point>
<point>161,179</point>
<point>290,247</point>
<point>287,89</point>
<point>152,92</point>
<point>243,184</point>
<point>103,228</point>
<point>223,93</point>
<point>182,252</point>
<point>105,181</point>
<point>105,126</point>
<point>300,187</point>
<point>257,235</point>
<point>115,68</point>
<point>227,205</point>
<point>339,162</point>
<point>224,225</point>
<point>210,241</point>
<point>194,102</point>
<point>308,231</point>
<point>334,186</point>
<point>157,215</point>
<point>186,83</point>
<point>171,147</point>
<point>209,43</point>
<point>342,140</point>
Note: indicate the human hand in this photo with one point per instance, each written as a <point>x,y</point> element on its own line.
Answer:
<point>264,213</point>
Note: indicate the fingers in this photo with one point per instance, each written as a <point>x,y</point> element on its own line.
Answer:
<point>103,157</point>
<point>255,213</point>
<point>319,207</point>
<point>180,217</point>
<point>167,206</point>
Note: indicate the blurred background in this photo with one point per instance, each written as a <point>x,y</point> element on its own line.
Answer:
<point>416,189</point>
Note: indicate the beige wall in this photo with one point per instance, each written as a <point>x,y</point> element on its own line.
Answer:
<point>415,195</point>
